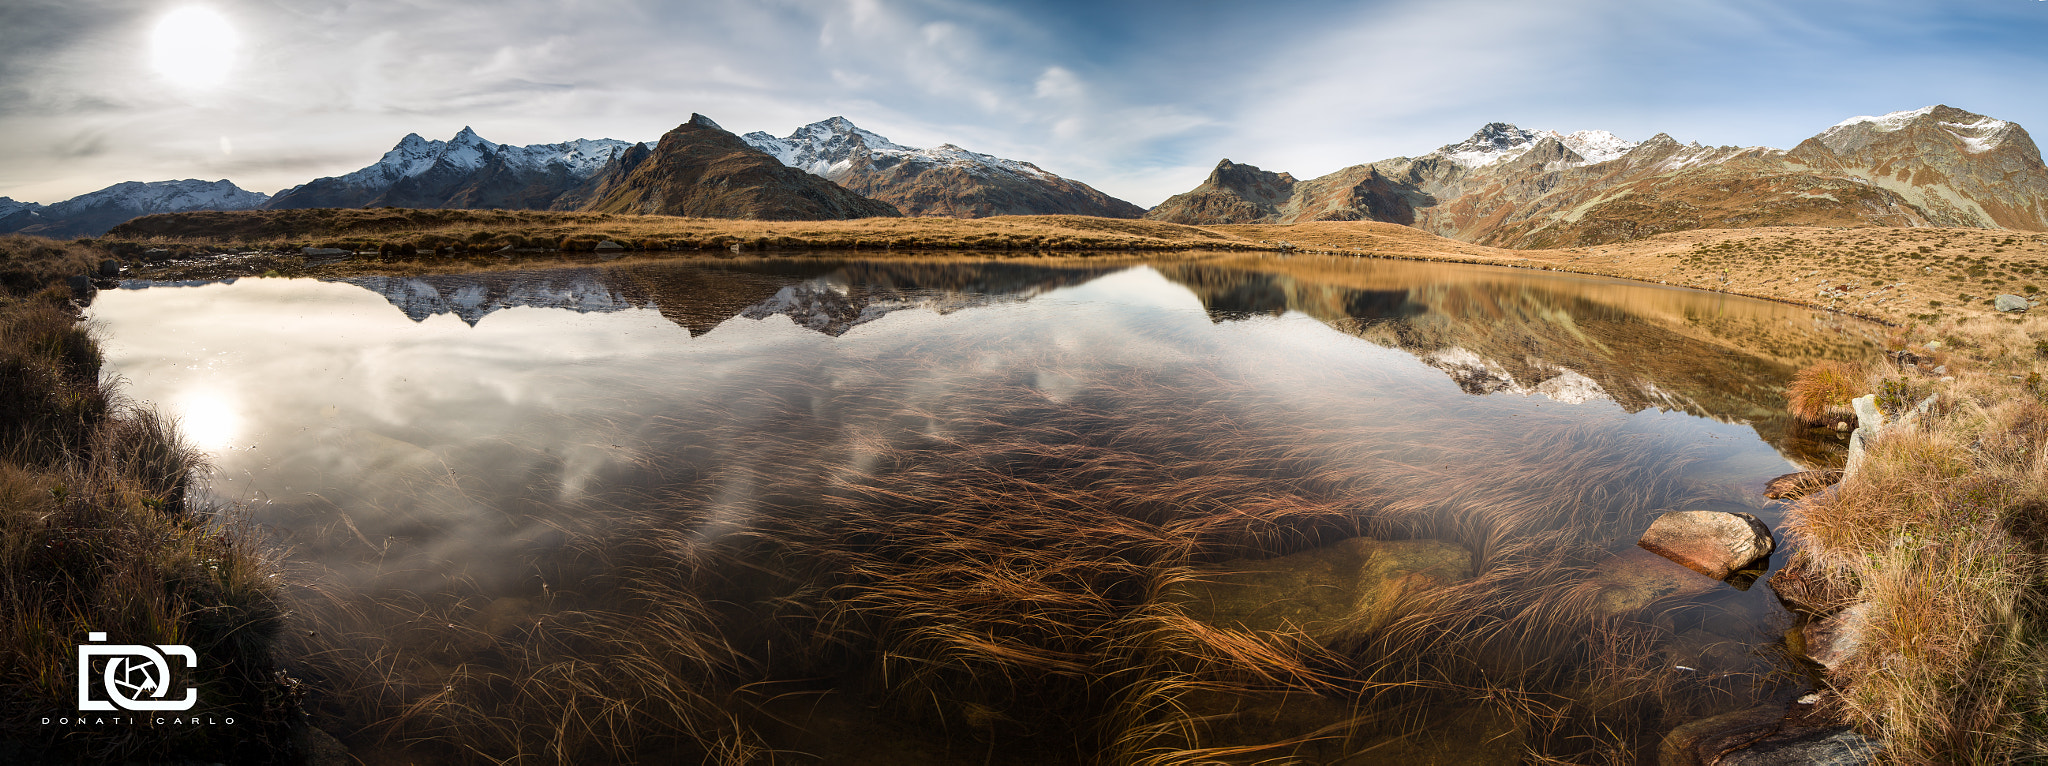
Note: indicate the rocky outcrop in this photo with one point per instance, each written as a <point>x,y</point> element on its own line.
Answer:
<point>1713,543</point>
<point>1510,187</point>
<point>700,170</point>
<point>940,181</point>
<point>1233,193</point>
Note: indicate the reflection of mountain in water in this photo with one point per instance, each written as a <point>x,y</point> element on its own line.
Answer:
<point>1492,331</point>
<point>1570,338</point>
<point>830,297</point>
<point>473,296</point>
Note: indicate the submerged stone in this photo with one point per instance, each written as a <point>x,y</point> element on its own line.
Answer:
<point>1636,578</point>
<point>1327,730</point>
<point>1767,735</point>
<point>1714,543</point>
<point>608,245</point>
<point>1330,592</point>
<point>1793,486</point>
<point>1835,639</point>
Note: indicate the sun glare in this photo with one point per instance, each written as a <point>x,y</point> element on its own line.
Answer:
<point>194,47</point>
<point>208,420</point>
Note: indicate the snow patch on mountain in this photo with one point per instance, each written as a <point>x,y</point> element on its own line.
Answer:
<point>1501,142</point>
<point>1597,146</point>
<point>163,197</point>
<point>1980,136</point>
<point>9,207</point>
<point>829,148</point>
<point>1496,143</point>
<point>1884,123</point>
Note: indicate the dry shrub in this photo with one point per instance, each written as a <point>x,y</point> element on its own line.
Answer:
<point>1820,393</point>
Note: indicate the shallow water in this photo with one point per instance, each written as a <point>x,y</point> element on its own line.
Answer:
<point>840,455</point>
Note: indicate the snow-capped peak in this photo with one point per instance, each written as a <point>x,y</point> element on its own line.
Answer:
<point>1500,142</point>
<point>828,148</point>
<point>1978,135</point>
<point>8,206</point>
<point>1886,123</point>
<point>1497,142</point>
<point>468,151</point>
<point>165,197</point>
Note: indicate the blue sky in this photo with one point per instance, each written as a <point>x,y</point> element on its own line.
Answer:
<point>1139,99</point>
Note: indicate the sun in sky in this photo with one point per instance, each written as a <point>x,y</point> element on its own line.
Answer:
<point>193,46</point>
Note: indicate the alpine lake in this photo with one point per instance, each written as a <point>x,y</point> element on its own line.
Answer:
<point>1192,508</point>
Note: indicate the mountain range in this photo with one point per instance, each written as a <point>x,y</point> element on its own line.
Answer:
<point>1510,187</point>
<point>1504,186</point>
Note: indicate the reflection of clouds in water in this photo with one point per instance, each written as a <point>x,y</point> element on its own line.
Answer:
<point>460,440</point>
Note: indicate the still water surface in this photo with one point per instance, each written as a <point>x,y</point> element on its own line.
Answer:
<point>948,509</point>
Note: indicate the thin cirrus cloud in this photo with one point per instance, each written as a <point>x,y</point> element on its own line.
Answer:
<point>1137,98</point>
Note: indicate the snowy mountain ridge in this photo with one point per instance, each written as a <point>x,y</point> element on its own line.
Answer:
<point>163,197</point>
<point>1501,142</point>
<point>467,151</point>
<point>829,148</point>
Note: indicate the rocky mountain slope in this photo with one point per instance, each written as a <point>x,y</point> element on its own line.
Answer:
<point>941,181</point>
<point>701,170</point>
<point>1510,187</point>
<point>466,171</point>
<point>92,214</point>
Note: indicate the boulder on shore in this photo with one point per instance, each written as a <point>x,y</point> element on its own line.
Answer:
<point>1713,543</point>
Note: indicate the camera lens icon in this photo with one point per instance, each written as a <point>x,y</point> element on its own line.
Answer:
<point>131,676</point>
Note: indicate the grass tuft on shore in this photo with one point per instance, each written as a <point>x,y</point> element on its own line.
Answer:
<point>96,535</point>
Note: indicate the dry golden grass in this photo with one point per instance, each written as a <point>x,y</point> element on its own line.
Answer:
<point>1820,393</point>
<point>1944,534</point>
<point>446,231</point>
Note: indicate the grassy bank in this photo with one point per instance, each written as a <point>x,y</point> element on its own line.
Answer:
<point>1935,553</point>
<point>96,536</point>
<point>451,232</point>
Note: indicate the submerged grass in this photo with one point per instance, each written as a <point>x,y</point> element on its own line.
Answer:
<point>95,535</point>
<point>996,564</point>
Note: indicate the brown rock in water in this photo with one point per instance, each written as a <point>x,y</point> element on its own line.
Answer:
<point>1714,543</point>
<point>1793,486</point>
<point>1767,735</point>
<point>1803,588</point>
<point>1328,592</point>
